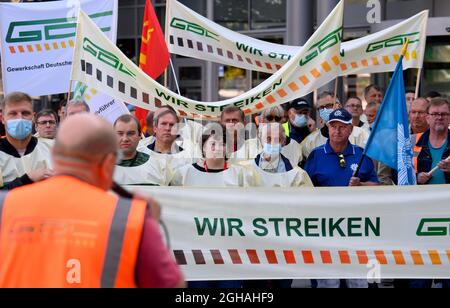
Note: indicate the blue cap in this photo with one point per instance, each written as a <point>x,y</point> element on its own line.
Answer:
<point>341,115</point>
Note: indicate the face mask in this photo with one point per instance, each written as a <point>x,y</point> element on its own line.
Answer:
<point>272,149</point>
<point>325,114</point>
<point>19,128</point>
<point>300,121</point>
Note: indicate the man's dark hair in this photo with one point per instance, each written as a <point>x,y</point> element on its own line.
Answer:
<point>127,118</point>
<point>370,87</point>
<point>433,94</point>
<point>46,112</point>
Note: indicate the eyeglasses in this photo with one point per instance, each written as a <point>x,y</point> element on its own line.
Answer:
<point>342,162</point>
<point>354,106</point>
<point>49,122</point>
<point>418,113</point>
<point>327,106</point>
<point>273,118</point>
<point>440,114</point>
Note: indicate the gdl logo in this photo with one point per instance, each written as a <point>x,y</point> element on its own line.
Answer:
<point>434,227</point>
<point>47,29</point>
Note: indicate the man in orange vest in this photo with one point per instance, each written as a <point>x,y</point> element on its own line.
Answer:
<point>69,231</point>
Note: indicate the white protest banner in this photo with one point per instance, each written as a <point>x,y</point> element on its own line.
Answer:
<point>37,42</point>
<point>192,35</point>
<point>101,64</point>
<point>376,232</point>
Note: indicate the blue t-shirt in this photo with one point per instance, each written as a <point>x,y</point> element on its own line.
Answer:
<point>436,154</point>
<point>325,170</point>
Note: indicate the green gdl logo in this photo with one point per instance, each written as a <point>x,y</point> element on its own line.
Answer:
<point>46,29</point>
<point>434,227</point>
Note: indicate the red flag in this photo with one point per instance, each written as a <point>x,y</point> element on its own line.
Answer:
<point>154,56</point>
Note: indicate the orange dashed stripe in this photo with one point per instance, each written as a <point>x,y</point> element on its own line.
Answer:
<point>289,257</point>
<point>21,49</point>
<point>379,254</point>
<point>414,54</point>
<point>354,65</point>
<point>315,73</point>
<point>362,257</point>
<point>304,80</point>
<point>12,49</point>
<point>282,93</point>
<point>247,111</point>
<point>307,257</point>
<point>343,66</point>
<point>434,256</point>
<point>375,61</point>
<point>326,257</point>
<point>87,96</point>
<point>55,46</point>
<point>63,44</point>
<point>326,66</point>
<point>386,60</point>
<point>398,257</point>
<point>270,99</point>
<point>345,258</point>
<point>365,63</point>
<point>47,46</point>
<point>417,257</point>
<point>293,86</point>
<point>271,256</point>
<point>448,255</point>
<point>93,91</point>
<point>71,43</point>
<point>259,106</point>
<point>396,57</point>
<point>336,60</point>
<point>253,256</point>
<point>38,47</point>
<point>407,57</point>
<point>30,48</point>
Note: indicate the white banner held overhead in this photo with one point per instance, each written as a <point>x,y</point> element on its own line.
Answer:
<point>101,64</point>
<point>382,232</point>
<point>192,35</point>
<point>37,42</point>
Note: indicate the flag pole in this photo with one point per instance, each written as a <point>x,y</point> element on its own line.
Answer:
<point>335,91</point>
<point>175,77</point>
<point>356,173</point>
<point>433,171</point>
<point>419,75</point>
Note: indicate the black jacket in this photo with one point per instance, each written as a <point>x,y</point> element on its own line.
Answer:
<point>424,160</point>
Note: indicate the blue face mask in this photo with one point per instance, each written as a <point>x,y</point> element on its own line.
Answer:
<point>272,149</point>
<point>325,114</point>
<point>19,128</point>
<point>300,121</point>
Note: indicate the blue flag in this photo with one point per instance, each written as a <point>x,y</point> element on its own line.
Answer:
<point>390,141</point>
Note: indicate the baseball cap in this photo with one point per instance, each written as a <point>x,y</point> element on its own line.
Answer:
<point>299,104</point>
<point>340,115</point>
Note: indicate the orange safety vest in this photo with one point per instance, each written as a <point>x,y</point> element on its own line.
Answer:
<point>416,152</point>
<point>63,232</point>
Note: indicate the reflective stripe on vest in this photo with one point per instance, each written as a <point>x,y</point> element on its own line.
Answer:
<point>286,129</point>
<point>115,243</point>
<point>417,150</point>
<point>2,201</point>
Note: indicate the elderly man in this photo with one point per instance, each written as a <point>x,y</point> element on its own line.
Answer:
<point>271,167</point>
<point>326,103</point>
<point>136,168</point>
<point>46,123</point>
<point>435,145</point>
<point>373,93</point>
<point>334,164</point>
<point>24,159</point>
<point>87,237</point>
<point>418,116</point>
<point>300,124</point>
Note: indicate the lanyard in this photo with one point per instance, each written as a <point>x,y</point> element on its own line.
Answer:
<point>205,165</point>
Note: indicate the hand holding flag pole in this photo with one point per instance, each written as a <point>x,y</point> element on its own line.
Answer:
<point>433,171</point>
